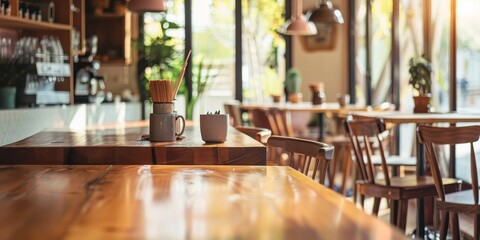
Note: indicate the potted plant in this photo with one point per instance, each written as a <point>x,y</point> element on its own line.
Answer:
<point>420,78</point>
<point>293,81</point>
<point>12,72</point>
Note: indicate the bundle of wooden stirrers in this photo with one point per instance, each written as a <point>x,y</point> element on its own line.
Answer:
<point>163,91</point>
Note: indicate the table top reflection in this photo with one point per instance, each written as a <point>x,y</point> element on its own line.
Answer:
<point>176,202</point>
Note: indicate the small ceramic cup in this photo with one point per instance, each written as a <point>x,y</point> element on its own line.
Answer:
<point>343,99</point>
<point>214,127</point>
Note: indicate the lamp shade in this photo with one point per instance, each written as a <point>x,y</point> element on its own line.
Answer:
<point>146,5</point>
<point>298,24</point>
<point>325,13</point>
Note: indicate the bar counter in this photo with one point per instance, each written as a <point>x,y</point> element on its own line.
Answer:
<point>176,202</point>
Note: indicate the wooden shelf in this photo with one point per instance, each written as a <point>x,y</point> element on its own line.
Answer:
<point>107,15</point>
<point>21,23</point>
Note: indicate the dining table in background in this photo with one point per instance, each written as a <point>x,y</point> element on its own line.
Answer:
<point>126,144</point>
<point>176,202</point>
<point>319,109</point>
<point>400,117</point>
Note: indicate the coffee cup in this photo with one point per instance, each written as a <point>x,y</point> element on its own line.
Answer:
<point>163,123</point>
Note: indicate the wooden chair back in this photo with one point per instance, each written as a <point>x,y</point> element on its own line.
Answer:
<point>303,153</point>
<point>263,118</point>
<point>259,134</point>
<point>432,137</point>
<point>233,110</point>
<point>365,136</point>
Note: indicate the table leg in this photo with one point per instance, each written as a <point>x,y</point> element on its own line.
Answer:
<point>420,201</point>
<point>320,127</point>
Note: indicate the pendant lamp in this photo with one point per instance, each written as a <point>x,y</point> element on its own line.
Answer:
<point>298,24</point>
<point>325,13</point>
<point>146,5</point>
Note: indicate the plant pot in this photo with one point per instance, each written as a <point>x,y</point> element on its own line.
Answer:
<point>295,97</point>
<point>7,97</point>
<point>422,104</point>
<point>214,127</point>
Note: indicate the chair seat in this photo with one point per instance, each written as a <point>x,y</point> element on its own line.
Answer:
<point>407,187</point>
<point>459,202</point>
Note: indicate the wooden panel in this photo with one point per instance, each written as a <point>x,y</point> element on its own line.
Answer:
<point>175,202</point>
<point>125,146</point>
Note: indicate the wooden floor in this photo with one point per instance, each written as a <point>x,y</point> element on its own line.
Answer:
<point>466,221</point>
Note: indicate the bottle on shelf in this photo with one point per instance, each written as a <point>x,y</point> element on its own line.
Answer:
<point>5,8</point>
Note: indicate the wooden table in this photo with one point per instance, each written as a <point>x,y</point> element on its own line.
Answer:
<point>176,202</point>
<point>124,145</point>
<point>398,117</point>
<point>320,109</point>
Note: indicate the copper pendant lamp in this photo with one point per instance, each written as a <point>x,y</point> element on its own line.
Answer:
<point>146,5</point>
<point>325,13</point>
<point>298,24</point>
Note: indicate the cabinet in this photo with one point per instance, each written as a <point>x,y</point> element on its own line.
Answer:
<point>115,28</point>
<point>68,20</point>
<point>114,36</point>
<point>112,25</point>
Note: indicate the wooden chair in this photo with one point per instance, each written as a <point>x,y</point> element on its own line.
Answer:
<point>365,135</point>
<point>233,110</point>
<point>259,134</point>
<point>303,153</point>
<point>263,118</point>
<point>450,204</point>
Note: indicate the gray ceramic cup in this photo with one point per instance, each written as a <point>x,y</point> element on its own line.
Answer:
<point>214,127</point>
<point>163,123</point>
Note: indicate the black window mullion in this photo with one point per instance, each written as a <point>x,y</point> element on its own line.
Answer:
<point>238,51</point>
<point>188,46</point>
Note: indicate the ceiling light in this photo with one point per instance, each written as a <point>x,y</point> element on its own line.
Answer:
<point>146,5</point>
<point>325,13</point>
<point>298,24</point>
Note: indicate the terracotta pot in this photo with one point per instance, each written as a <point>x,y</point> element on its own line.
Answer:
<point>276,98</point>
<point>422,104</point>
<point>295,97</point>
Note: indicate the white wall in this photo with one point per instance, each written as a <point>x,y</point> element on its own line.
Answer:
<point>328,66</point>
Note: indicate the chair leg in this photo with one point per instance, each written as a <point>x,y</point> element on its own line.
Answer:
<point>476,227</point>
<point>394,212</point>
<point>444,225</point>
<point>455,226</point>
<point>402,214</point>
<point>346,170</point>
<point>362,201</point>
<point>376,206</point>
<point>395,171</point>
<point>332,171</point>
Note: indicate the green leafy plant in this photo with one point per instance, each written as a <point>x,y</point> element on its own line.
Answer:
<point>203,73</point>
<point>13,72</point>
<point>214,113</point>
<point>293,81</point>
<point>160,56</point>
<point>420,75</point>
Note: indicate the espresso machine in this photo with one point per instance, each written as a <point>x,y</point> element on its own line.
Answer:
<point>89,86</point>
